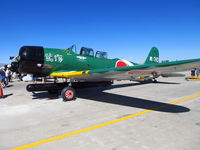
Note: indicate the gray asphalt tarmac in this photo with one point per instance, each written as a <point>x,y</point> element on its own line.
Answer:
<point>120,117</point>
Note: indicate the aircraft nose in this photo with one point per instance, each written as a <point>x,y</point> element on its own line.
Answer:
<point>31,60</point>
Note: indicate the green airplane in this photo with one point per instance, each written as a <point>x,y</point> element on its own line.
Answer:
<point>87,69</point>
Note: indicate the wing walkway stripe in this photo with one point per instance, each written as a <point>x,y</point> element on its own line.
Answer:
<point>100,125</point>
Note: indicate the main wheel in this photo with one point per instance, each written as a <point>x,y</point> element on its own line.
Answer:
<point>68,94</point>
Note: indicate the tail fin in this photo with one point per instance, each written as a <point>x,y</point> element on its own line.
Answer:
<point>153,56</point>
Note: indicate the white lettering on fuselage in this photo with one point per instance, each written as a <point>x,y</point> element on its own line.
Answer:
<point>154,59</point>
<point>53,57</point>
<point>81,57</point>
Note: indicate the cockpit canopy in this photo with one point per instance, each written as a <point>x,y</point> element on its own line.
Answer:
<point>89,52</point>
<point>73,48</point>
<point>101,54</point>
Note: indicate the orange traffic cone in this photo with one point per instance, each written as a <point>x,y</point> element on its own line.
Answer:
<point>1,91</point>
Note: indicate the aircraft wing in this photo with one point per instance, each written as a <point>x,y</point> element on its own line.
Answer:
<point>130,72</point>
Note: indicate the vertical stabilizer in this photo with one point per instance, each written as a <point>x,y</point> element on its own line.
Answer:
<point>153,56</point>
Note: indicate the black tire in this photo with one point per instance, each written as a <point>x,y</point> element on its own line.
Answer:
<point>68,94</point>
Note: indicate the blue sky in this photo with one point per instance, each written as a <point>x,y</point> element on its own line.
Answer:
<point>124,28</point>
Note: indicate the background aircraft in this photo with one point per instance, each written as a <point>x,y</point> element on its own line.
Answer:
<point>88,69</point>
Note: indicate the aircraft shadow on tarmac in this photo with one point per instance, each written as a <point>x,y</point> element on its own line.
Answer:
<point>139,83</point>
<point>98,94</point>
<point>44,95</point>
<point>131,101</point>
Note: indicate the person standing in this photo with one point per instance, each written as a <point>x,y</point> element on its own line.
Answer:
<point>193,72</point>
<point>10,76</point>
<point>7,73</point>
<point>198,73</point>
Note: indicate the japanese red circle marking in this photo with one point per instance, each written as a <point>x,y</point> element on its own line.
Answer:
<point>121,63</point>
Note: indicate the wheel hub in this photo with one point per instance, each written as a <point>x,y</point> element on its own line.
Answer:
<point>69,94</point>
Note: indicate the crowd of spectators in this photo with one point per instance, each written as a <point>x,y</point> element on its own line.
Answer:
<point>7,76</point>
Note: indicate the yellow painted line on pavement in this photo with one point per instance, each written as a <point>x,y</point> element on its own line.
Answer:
<point>100,125</point>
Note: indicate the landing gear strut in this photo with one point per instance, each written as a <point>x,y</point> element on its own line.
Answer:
<point>155,75</point>
<point>155,81</point>
<point>68,94</point>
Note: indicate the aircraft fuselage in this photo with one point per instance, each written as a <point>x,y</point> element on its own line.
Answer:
<point>41,61</point>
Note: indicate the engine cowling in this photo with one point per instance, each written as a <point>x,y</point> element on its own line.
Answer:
<point>31,60</point>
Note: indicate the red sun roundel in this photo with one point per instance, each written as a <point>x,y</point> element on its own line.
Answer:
<point>121,63</point>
